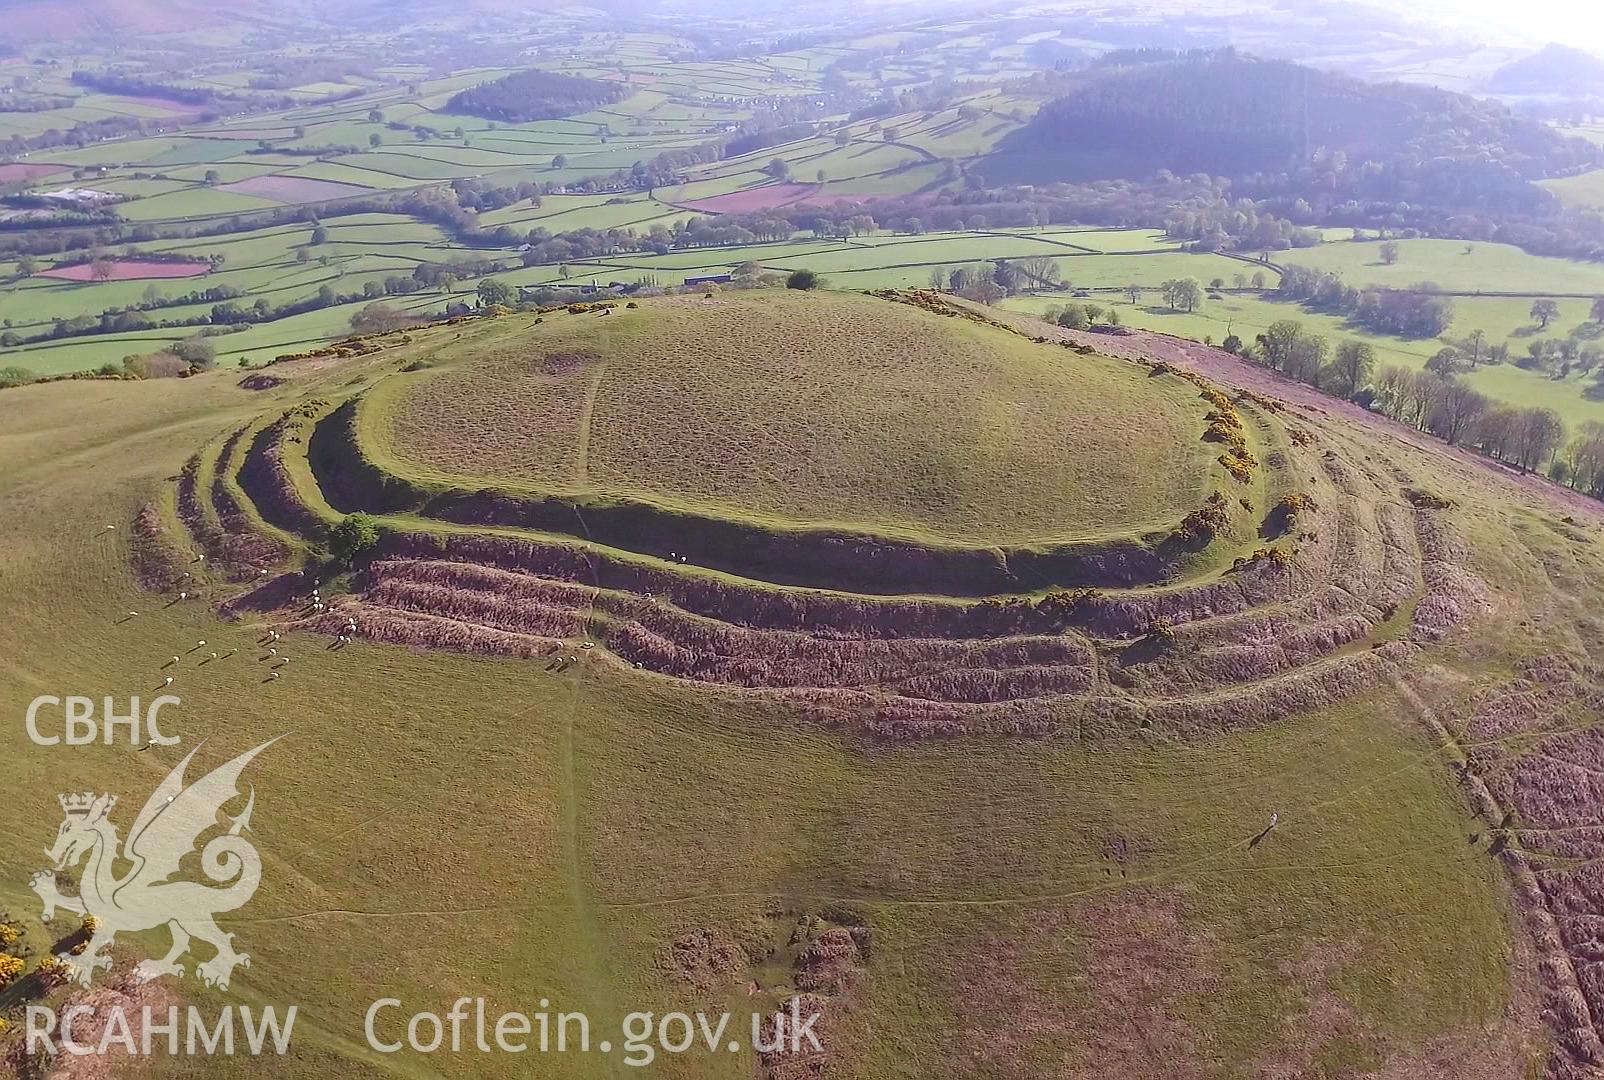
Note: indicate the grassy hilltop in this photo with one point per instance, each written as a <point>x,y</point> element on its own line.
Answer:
<point>805,409</point>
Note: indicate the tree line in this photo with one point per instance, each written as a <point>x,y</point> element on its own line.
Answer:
<point>1437,401</point>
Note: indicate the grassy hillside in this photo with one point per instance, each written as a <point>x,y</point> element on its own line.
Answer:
<point>437,821</point>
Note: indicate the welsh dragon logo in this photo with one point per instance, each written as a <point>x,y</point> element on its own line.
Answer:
<point>150,893</point>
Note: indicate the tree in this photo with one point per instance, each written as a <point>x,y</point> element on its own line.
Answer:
<point>778,168</point>
<point>1307,362</point>
<point>1133,293</point>
<point>375,140</point>
<point>27,265</point>
<point>320,235</point>
<point>355,534</point>
<point>379,318</point>
<point>375,116</point>
<point>1447,362</point>
<point>1073,317</point>
<point>802,279</point>
<point>494,292</point>
<point>101,269</point>
<point>1258,279</point>
<point>1538,435</point>
<point>938,278</point>
<point>195,351</point>
<point>1456,411</point>
<point>983,290</point>
<point>1183,294</point>
<point>1597,314</point>
<point>1352,367</point>
<point>1039,271</point>
<point>1279,342</point>
<point>559,161</point>
<point>1389,252</point>
<point>213,178</point>
<point>1544,312</point>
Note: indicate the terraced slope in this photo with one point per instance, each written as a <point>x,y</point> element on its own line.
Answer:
<point>1300,578</point>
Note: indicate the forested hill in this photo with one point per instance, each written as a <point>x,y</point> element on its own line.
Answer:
<point>534,95</point>
<point>1230,115</point>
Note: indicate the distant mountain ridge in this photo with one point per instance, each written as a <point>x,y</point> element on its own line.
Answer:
<point>1231,115</point>
<point>1554,69</point>
<point>23,21</point>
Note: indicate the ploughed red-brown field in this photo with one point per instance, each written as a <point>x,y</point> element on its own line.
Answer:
<point>12,171</point>
<point>129,270</point>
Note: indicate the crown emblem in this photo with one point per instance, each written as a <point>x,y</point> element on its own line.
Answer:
<point>80,803</point>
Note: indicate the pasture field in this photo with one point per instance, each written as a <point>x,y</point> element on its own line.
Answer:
<point>613,397</point>
<point>1455,266</point>
<point>434,820</point>
<point>1583,189</point>
<point>1248,315</point>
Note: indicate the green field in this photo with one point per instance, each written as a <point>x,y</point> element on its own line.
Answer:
<point>1503,320</point>
<point>1584,189</point>
<point>1453,265</point>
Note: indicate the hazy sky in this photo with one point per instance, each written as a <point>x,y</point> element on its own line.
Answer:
<point>1570,22</point>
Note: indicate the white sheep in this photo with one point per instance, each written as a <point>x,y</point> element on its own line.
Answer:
<point>133,614</point>
<point>110,527</point>
<point>272,674</point>
<point>167,681</point>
